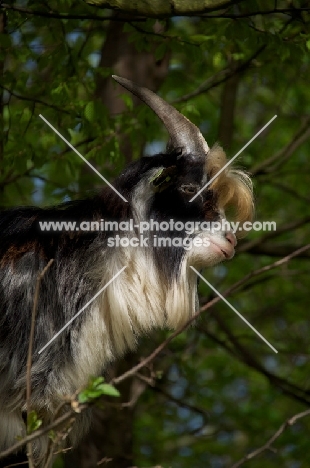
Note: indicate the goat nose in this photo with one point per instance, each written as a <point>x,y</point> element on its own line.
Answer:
<point>230,236</point>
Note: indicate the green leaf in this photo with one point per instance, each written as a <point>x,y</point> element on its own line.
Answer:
<point>200,38</point>
<point>89,111</point>
<point>108,389</point>
<point>33,422</point>
<point>95,389</point>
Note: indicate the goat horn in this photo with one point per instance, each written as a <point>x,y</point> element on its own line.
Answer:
<point>183,133</point>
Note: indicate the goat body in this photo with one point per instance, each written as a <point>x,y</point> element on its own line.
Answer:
<point>158,289</point>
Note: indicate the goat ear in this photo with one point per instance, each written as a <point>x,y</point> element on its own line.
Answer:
<point>183,133</point>
<point>163,178</point>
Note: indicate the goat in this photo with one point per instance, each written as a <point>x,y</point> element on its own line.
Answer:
<point>156,290</point>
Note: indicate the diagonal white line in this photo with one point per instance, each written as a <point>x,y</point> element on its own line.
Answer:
<point>239,315</point>
<point>82,157</point>
<point>81,310</point>
<point>232,159</point>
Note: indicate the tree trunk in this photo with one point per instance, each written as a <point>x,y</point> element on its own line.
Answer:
<point>120,55</point>
<point>228,105</point>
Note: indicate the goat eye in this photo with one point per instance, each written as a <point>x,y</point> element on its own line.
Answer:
<point>189,189</point>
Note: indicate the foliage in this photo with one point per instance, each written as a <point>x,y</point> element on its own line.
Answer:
<point>223,392</point>
<point>33,422</point>
<point>95,389</point>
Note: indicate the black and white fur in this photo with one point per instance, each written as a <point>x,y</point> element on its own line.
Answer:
<point>156,290</point>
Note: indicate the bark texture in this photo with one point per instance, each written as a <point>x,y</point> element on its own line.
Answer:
<point>163,8</point>
<point>121,56</point>
<point>228,106</point>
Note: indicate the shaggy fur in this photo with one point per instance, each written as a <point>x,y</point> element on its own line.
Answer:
<point>157,289</point>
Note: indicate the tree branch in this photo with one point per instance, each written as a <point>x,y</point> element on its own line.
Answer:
<point>240,352</point>
<point>289,422</point>
<point>273,250</point>
<point>285,11</point>
<point>52,14</point>
<point>156,388</point>
<point>33,99</point>
<point>207,306</point>
<point>288,190</point>
<point>259,271</point>
<point>272,164</point>
<point>70,416</point>
<point>246,246</point>
<point>65,418</point>
<point>220,77</point>
<point>166,9</point>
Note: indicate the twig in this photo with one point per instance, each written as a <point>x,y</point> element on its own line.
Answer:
<point>225,74</point>
<point>29,356</point>
<point>66,16</point>
<point>56,442</point>
<point>70,416</point>
<point>211,303</point>
<point>170,397</point>
<point>245,355</point>
<point>289,422</point>
<point>272,234</point>
<point>67,417</point>
<point>33,99</point>
<point>272,164</point>
<point>289,190</point>
<point>13,178</point>
<point>220,77</point>
<point>284,11</point>
<point>163,36</point>
<point>259,271</point>
<point>277,250</point>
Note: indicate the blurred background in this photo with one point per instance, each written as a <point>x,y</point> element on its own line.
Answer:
<point>217,392</point>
